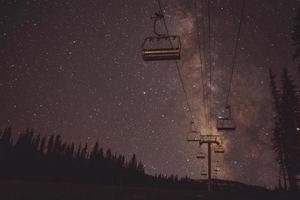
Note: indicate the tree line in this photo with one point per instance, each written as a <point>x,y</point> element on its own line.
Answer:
<point>33,157</point>
<point>286,131</point>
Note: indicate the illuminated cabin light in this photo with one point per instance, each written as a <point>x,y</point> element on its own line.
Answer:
<point>298,129</point>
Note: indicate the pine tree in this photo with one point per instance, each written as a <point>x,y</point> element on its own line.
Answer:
<point>6,136</point>
<point>132,165</point>
<point>289,108</point>
<point>43,146</point>
<point>93,155</point>
<point>285,138</point>
<point>277,133</point>
<point>5,152</point>
<point>140,168</point>
<point>84,152</point>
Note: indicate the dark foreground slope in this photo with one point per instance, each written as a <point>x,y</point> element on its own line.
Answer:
<point>21,190</point>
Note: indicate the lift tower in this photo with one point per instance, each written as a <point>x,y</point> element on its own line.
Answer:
<point>209,140</point>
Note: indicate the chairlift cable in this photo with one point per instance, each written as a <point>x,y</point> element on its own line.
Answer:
<point>202,63</point>
<point>235,51</point>
<point>209,62</point>
<point>177,67</point>
<point>207,93</point>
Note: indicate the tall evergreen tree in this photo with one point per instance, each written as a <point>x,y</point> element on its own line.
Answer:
<point>285,140</point>
<point>277,132</point>
<point>133,163</point>
<point>289,117</point>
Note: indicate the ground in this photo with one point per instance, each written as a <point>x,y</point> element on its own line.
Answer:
<point>23,190</point>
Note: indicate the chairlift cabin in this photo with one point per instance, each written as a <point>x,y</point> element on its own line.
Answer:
<point>226,123</point>
<point>161,46</point>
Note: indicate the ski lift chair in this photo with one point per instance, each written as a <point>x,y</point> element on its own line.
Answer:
<point>200,155</point>
<point>161,46</point>
<point>203,173</point>
<point>217,169</point>
<point>226,123</point>
<point>193,136</point>
<point>219,149</point>
<point>158,48</point>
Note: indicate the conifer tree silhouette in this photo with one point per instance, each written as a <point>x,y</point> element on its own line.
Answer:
<point>277,132</point>
<point>289,111</point>
<point>286,130</point>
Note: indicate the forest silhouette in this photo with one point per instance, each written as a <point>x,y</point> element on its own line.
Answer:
<point>49,159</point>
<point>32,157</point>
<point>286,140</point>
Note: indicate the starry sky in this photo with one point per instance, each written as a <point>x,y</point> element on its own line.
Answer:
<point>75,68</point>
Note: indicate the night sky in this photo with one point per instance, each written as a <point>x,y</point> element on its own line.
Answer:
<point>75,68</point>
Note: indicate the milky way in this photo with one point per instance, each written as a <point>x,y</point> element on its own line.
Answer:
<point>74,68</point>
